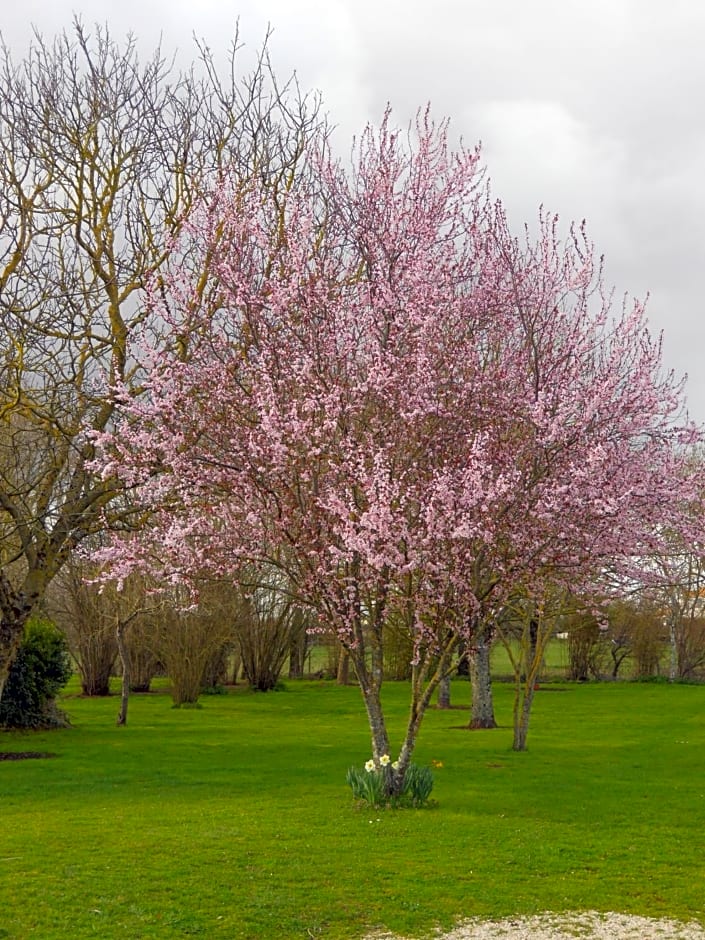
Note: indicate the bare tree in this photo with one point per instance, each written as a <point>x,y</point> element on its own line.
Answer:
<point>188,639</point>
<point>101,157</point>
<point>588,643</point>
<point>622,614</point>
<point>267,624</point>
<point>525,628</point>
<point>86,617</point>
<point>140,649</point>
<point>683,596</point>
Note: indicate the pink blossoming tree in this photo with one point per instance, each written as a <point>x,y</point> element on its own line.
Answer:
<point>371,386</point>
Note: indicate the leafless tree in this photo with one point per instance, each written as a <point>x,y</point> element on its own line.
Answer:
<point>101,157</point>
<point>267,624</point>
<point>187,639</point>
<point>86,617</point>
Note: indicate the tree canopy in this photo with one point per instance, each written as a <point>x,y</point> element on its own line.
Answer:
<point>371,383</point>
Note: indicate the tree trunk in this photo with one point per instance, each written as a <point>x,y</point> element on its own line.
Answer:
<point>11,632</point>
<point>533,639</point>
<point>482,715</point>
<point>426,676</point>
<point>522,713</point>
<point>16,607</point>
<point>297,655</point>
<point>444,693</point>
<point>343,676</point>
<point>237,667</point>
<point>125,660</point>
<point>673,664</point>
<point>375,716</point>
<point>14,614</point>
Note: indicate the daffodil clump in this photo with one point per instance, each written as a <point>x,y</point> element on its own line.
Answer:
<point>377,786</point>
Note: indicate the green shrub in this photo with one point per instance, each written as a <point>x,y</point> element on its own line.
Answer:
<point>371,785</point>
<point>367,786</point>
<point>418,783</point>
<point>42,667</point>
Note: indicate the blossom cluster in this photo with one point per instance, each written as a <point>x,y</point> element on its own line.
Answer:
<point>384,761</point>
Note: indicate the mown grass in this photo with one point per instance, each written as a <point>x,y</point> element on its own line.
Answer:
<point>555,660</point>
<point>234,820</point>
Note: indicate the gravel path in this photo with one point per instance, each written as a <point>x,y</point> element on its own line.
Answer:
<point>587,925</point>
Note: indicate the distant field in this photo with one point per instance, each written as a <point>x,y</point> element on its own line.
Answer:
<point>234,820</point>
<point>555,661</point>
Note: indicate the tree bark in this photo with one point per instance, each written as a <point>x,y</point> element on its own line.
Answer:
<point>522,714</point>
<point>673,664</point>
<point>482,715</point>
<point>444,693</point>
<point>11,632</point>
<point>125,660</point>
<point>16,607</point>
<point>343,676</point>
<point>375,716</point>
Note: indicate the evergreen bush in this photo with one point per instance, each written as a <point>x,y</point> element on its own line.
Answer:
<point>41,668</point>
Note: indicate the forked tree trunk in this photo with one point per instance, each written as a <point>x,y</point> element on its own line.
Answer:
<point>536,634</point>
<point>425,680</point>
<point>482,714</point>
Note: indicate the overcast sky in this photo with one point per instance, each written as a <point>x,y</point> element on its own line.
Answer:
<point>593,108</point>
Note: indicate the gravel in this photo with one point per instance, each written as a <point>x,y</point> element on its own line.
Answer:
<point>586,925</point>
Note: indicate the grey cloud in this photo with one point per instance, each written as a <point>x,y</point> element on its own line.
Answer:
<point>592,108</point>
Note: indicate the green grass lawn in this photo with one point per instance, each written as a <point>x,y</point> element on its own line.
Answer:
<point>234,820</point>
<point>555,661</point>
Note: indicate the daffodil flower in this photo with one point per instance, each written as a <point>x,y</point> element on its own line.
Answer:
<point>370,766</point>
<point>384,760</point>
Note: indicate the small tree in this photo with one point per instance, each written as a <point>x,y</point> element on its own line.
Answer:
<point>621,617</point>
<point>526,626</point>
<point>267,624</point>
<point>371,384</point>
